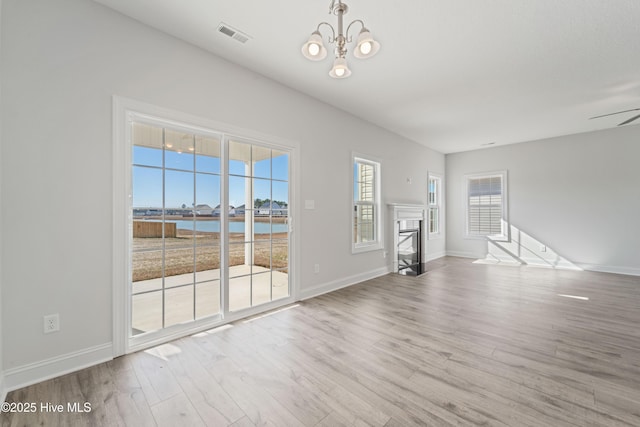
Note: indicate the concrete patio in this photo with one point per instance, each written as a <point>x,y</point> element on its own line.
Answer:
<point>249,285</point>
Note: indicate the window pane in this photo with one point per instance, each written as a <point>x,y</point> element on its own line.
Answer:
<point>433,220</point>
<point>261,288</point>
<point>239,230</point>
<point>364,182</point>
<point>434,185</point>
<point>240,255</point>
<point>280,165</point>
<point>207,154</point>
<point>178,264</point>
<point>279,284</point>
<point>147,145</point>
<point>207,194</point>
<point>207,257</point>
<point>261,224</point>
<point>364,224</point>
<point>146,312</point>
<point>178,305</point>
<point>207,299</point>
<point>280,192</point>
<point>239,293</point>
<point>239,188</point>
<point>262,195</point>
<point>262,255</point>
<point>179,150</point>
<point>178,190</point>
<point>280,253</point>
<point>147,191</point>
<point>261,158</point>
<point>280,224</point>
<point>146,264</point>
<point>239,158</point>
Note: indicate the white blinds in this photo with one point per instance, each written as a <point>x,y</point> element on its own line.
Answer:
<point>365,202</point>
<point>485,199</point>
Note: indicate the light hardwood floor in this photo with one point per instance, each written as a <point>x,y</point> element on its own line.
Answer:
<point>464,344</point>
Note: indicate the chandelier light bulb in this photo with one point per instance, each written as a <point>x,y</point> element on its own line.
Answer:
<point>340,69</point>
<point>314,49</point>
<point>365,48</point>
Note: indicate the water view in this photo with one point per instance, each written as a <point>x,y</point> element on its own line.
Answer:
<point>234,226</point>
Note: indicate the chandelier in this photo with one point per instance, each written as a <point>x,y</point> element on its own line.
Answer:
<point>366,46</point>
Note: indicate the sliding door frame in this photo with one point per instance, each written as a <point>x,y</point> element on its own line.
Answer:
<point>124,112</point>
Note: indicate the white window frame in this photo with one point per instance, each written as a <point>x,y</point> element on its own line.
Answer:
<point>504,224</point>
<point>438,204</point>
<point>377,243</point>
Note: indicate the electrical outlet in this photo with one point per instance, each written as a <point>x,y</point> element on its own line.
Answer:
<point>51,323</point>
<point>316,268</point>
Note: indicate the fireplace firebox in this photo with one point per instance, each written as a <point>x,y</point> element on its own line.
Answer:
<point>409,245</point>
<point>408,223</point>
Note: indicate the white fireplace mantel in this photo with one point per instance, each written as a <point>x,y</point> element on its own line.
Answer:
<point>403,211</point>
<point>406,212</point>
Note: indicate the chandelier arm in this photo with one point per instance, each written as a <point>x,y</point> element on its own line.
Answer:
<point>332,39</point>
<point>349,38</point>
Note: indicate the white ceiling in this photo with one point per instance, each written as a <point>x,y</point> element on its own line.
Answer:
<point>453,75</point>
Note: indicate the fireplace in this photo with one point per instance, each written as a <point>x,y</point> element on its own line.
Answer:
<point>408,223</point>
<point>408,248</point>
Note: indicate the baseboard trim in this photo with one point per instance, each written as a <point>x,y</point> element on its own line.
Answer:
<point>435,256</point>
<point>627,271</point>
<point>33,373</point>
<point>460,254</point>
<point>344,282</point>
<point>533,262</point>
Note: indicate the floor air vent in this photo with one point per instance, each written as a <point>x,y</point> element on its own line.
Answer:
<point>228,30</point>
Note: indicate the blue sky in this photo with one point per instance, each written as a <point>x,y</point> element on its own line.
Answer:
<point>179,184</point>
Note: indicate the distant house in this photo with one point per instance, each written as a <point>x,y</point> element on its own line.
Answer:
<point>216,211</point>
<point>272,207</point>
<point>240,210</point>
<point>204,210</point>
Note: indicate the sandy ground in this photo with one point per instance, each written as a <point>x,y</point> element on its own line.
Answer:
<point>179,259</point>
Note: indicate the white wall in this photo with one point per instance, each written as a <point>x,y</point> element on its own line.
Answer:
<point>577,194</point>
<point>63,61</point>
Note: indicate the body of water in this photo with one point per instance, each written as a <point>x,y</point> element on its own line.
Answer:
<point>234,226</point>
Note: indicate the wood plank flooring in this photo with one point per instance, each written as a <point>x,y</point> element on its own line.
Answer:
<point>464,344</point>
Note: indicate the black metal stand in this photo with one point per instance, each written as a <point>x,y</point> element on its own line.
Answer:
<point>410,248</point>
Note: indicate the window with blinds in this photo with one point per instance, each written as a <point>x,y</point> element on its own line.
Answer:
<point>486,205</point>
<point>366,205</point>
<point>433,201</point>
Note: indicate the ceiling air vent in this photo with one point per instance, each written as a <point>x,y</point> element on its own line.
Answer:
<point>228,30</point>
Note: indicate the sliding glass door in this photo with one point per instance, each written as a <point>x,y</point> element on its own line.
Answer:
<point>209,226</point>
<point>259,225</point>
